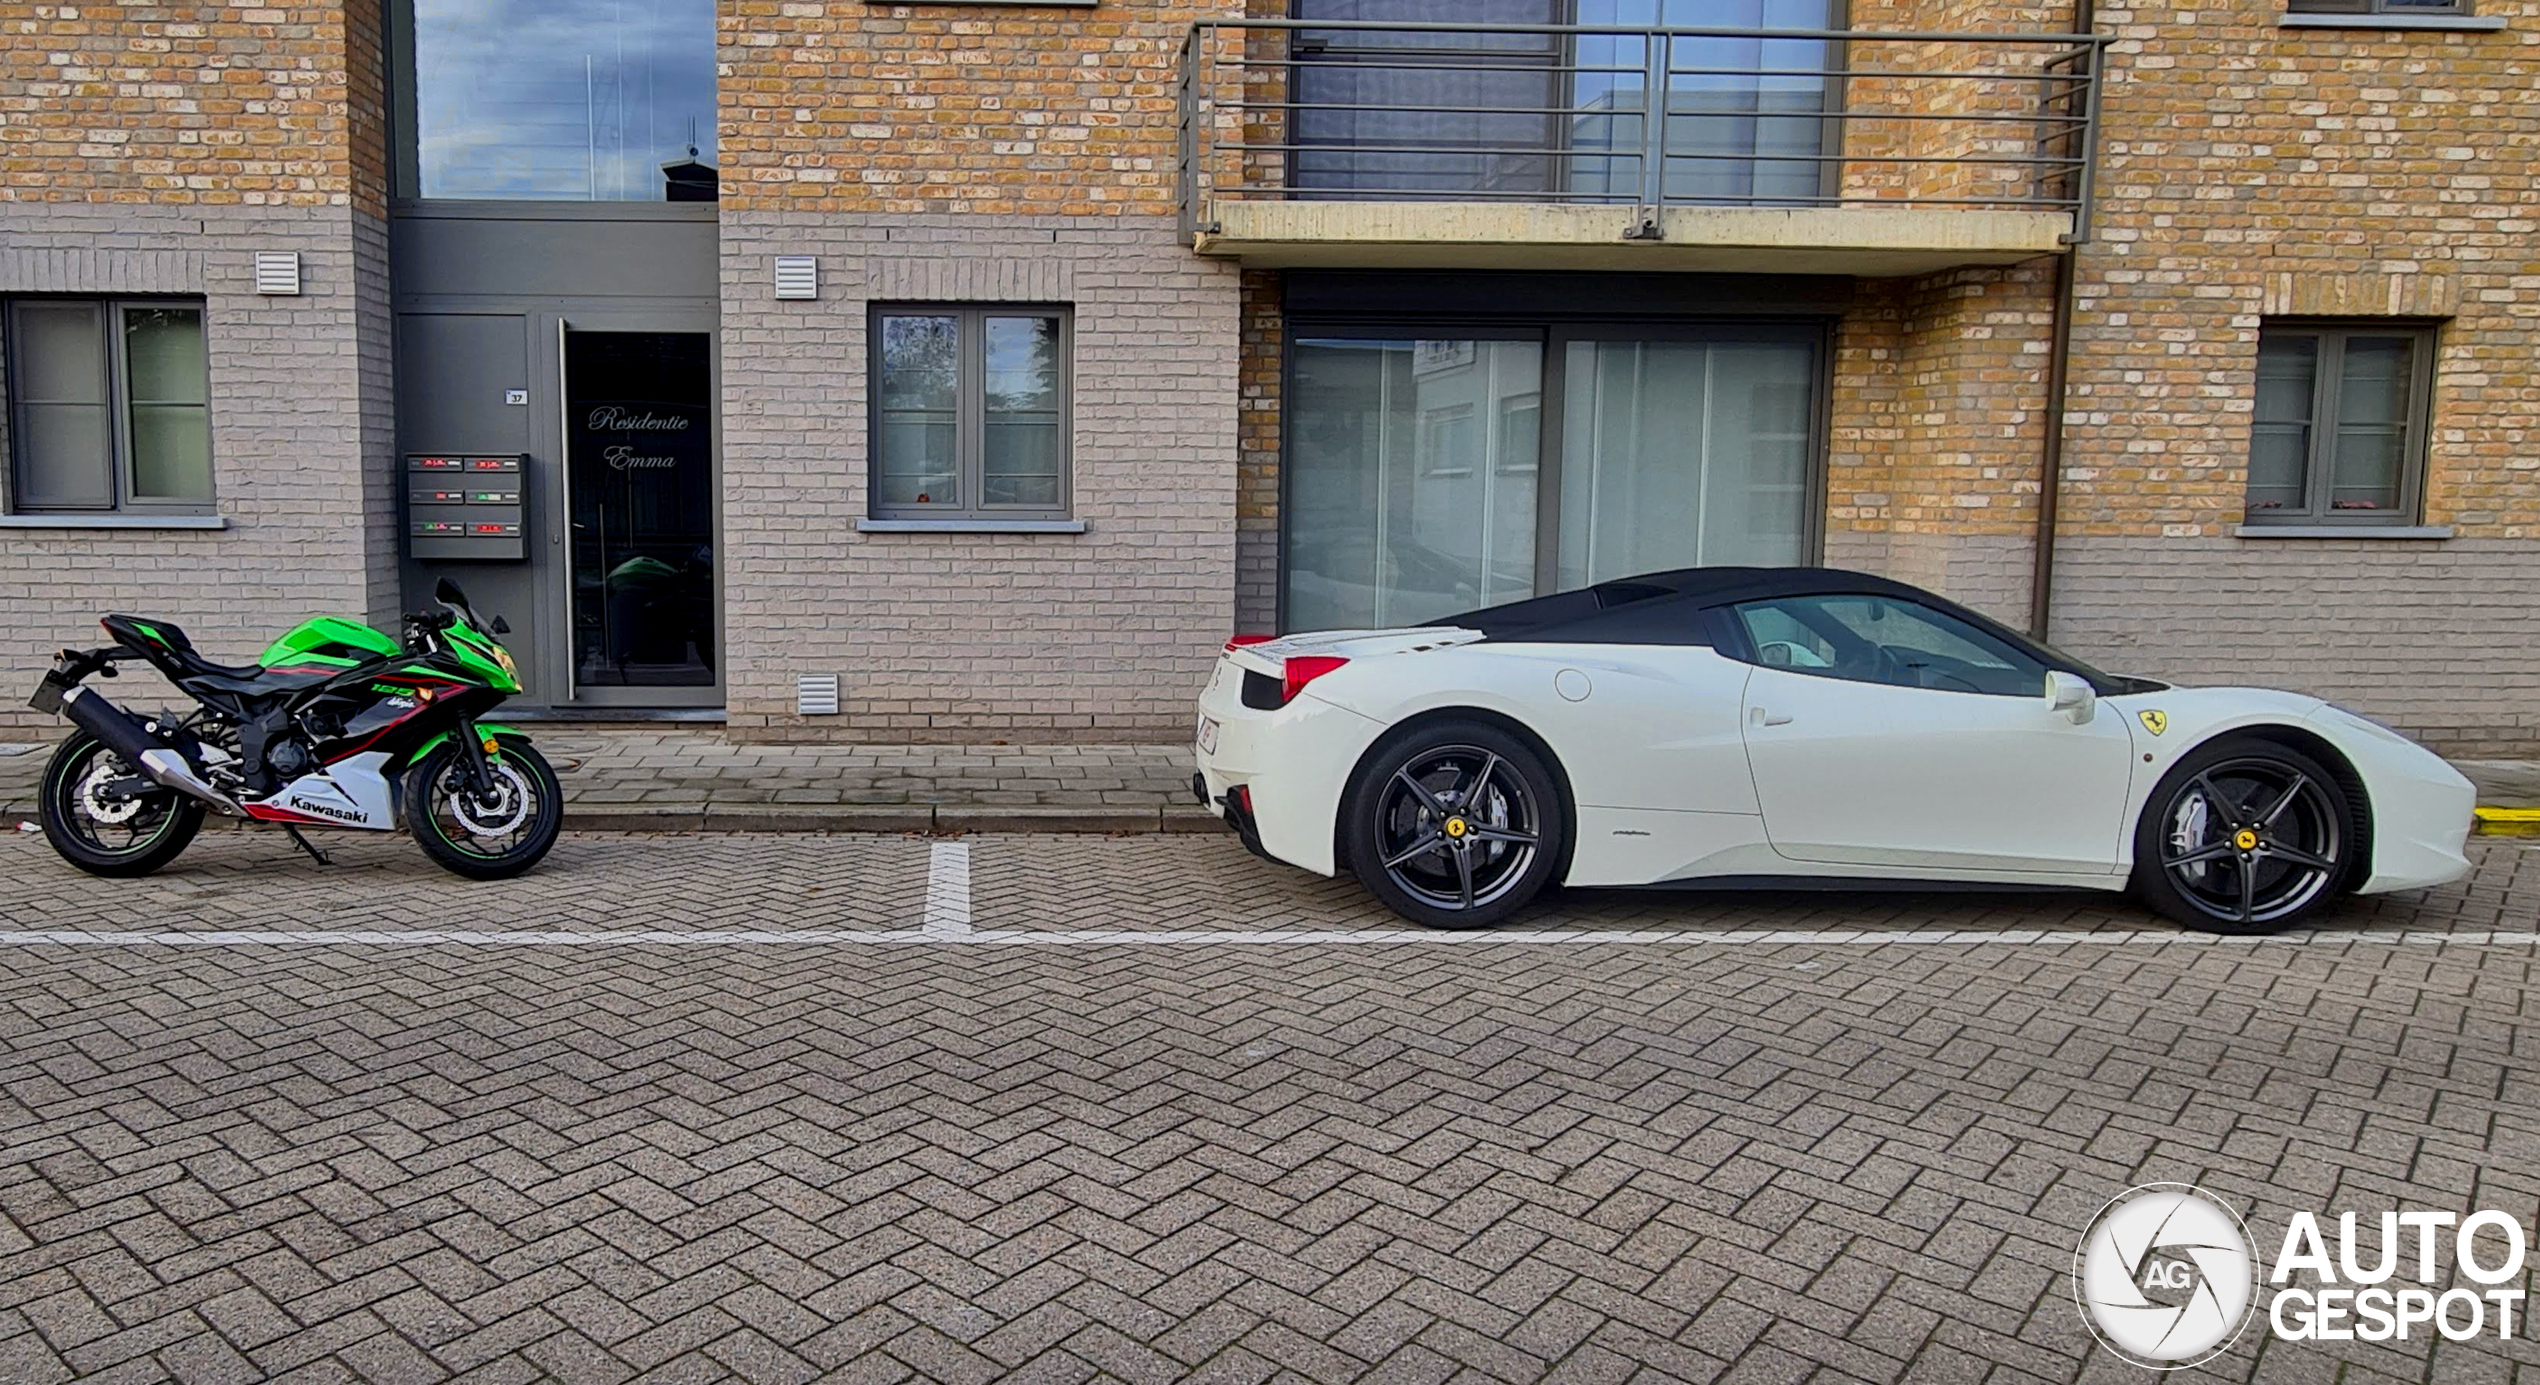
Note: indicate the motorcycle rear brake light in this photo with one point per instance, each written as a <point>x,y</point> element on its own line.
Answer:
<point>1240,641</point>
<point>1295,673</point>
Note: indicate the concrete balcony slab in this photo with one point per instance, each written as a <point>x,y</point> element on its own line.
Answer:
<point>1861,240</point>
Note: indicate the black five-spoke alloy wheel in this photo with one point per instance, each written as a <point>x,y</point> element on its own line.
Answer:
<point>1457,825</point>
<point>2244,836</point>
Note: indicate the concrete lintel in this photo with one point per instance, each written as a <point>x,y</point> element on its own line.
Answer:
<point>1857,240</point>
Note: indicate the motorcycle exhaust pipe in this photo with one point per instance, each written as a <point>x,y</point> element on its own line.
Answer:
<point>92,713</point>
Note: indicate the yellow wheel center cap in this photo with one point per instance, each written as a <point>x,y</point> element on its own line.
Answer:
<point>2246,839</point>
<point>1455,827</point>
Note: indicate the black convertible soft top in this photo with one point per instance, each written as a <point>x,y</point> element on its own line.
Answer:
<point>1660,607</point>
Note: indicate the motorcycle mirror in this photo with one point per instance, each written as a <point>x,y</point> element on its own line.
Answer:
<point>502,626</point>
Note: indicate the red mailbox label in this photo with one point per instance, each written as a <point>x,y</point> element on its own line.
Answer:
<point>435,463</point>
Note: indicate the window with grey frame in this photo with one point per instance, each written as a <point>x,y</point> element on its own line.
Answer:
<point>2445,7</point>
<point>971,412</point>
<point>2340,426</point>
<point>109,406</point>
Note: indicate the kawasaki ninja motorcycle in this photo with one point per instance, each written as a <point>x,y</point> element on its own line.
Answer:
<point>336,726</point>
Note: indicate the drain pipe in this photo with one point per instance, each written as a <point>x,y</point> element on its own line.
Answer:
<point>2050,462</point>
<point>2059,359</point>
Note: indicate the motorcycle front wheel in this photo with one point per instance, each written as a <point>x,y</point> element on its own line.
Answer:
<point>106,817</point>
<point>491,836</point>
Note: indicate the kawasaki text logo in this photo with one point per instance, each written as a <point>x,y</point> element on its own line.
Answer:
<point>299,803</point>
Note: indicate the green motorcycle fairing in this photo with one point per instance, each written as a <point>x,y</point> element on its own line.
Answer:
<point>328,641</point>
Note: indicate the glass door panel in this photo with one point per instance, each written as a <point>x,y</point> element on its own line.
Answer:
<point>1412,486</point>
<point>1683,454</point>
<point>639,459</point>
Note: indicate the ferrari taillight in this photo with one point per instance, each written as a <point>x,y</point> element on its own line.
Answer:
<point>1296,672</point>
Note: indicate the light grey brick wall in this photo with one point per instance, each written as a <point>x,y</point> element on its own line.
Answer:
<point>1257,575</point>
<point>300,436</point>
<point>1102,636</point>
<point>1984,572</point>
<point>2436,639</point>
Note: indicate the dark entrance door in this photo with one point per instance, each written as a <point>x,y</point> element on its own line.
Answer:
<point>639,473</point>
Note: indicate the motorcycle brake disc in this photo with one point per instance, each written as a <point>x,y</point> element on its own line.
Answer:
<point>503,814</point>
<point>93,798</point>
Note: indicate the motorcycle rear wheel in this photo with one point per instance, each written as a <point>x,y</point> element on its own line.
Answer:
<point>446,818</point>
<point>160,824</point>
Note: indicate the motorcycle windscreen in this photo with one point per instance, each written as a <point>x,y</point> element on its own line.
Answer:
<point>640,448</point>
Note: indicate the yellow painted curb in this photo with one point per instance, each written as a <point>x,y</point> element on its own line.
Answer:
<point>2507,822</point>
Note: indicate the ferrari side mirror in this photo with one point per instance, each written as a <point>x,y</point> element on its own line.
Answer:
<point>2071,695</point>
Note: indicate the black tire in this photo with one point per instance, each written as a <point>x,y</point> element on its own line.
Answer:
<point>2244,836</point>
<point>1475,869</point>
<point>162,822</point>
<point>438,815</point>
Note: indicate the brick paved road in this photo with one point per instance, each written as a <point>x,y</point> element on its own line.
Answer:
<point>1842,1149</point>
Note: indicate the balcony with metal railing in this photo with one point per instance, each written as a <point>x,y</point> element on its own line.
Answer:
<point>1572,146</point>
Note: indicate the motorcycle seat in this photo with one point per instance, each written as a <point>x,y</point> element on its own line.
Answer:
<point>166,645</point>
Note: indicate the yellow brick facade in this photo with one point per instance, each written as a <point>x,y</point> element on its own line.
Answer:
<point>2252,170</point>
<point>848,106</point>
<point>278,105</point>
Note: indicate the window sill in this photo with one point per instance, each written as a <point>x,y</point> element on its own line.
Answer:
<point>2343,531</point>
<point>2454,23</point>
<point>69,521</point>
<point>970,526</point>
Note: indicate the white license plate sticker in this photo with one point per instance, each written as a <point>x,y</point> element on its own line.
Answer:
<point>1207,735</point>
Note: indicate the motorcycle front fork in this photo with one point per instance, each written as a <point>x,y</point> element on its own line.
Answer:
<point>480,770</point>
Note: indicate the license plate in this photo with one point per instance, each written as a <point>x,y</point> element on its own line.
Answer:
<point>1207,735</point>
<point>48,694</point>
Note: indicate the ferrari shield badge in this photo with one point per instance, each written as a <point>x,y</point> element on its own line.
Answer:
<point>2155,722</point>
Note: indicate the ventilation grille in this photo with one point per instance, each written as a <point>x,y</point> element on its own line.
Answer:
<point>816,695</point>
<point>278,272</point>
<point>797,276</point>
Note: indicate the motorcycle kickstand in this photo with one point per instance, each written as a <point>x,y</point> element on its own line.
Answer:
<point>304,844</point>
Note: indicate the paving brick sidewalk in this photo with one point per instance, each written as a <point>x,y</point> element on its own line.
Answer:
<point>679,777</point>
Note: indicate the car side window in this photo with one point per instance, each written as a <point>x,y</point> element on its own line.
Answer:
<point>1878,639</point>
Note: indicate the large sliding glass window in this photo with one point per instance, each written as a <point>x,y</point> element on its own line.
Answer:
<point>1433,474</point>
<point>1683,454</point>
<point>1412,478</point>
<point>558,100</point>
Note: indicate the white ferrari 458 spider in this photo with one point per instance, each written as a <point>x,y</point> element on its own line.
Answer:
<point>1798,727</point>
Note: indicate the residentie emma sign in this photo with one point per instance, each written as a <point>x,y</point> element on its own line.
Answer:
<point>2167,1277</point>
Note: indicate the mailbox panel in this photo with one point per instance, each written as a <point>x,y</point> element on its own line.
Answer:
<point>466,506</point>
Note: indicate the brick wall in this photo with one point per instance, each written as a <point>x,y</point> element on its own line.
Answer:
<point>196,105</point>
<point>846,105</point>
<point>1262,370</point>
<point>299,463</point>
<point>154,150</point>
<point>1103,636</point>
<point>2253,171</point>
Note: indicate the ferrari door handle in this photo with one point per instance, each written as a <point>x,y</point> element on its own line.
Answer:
<point>1761,717</point>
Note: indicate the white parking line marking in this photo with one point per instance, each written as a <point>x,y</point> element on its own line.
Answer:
<point>1389,937</point>
<point>948,892</point>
